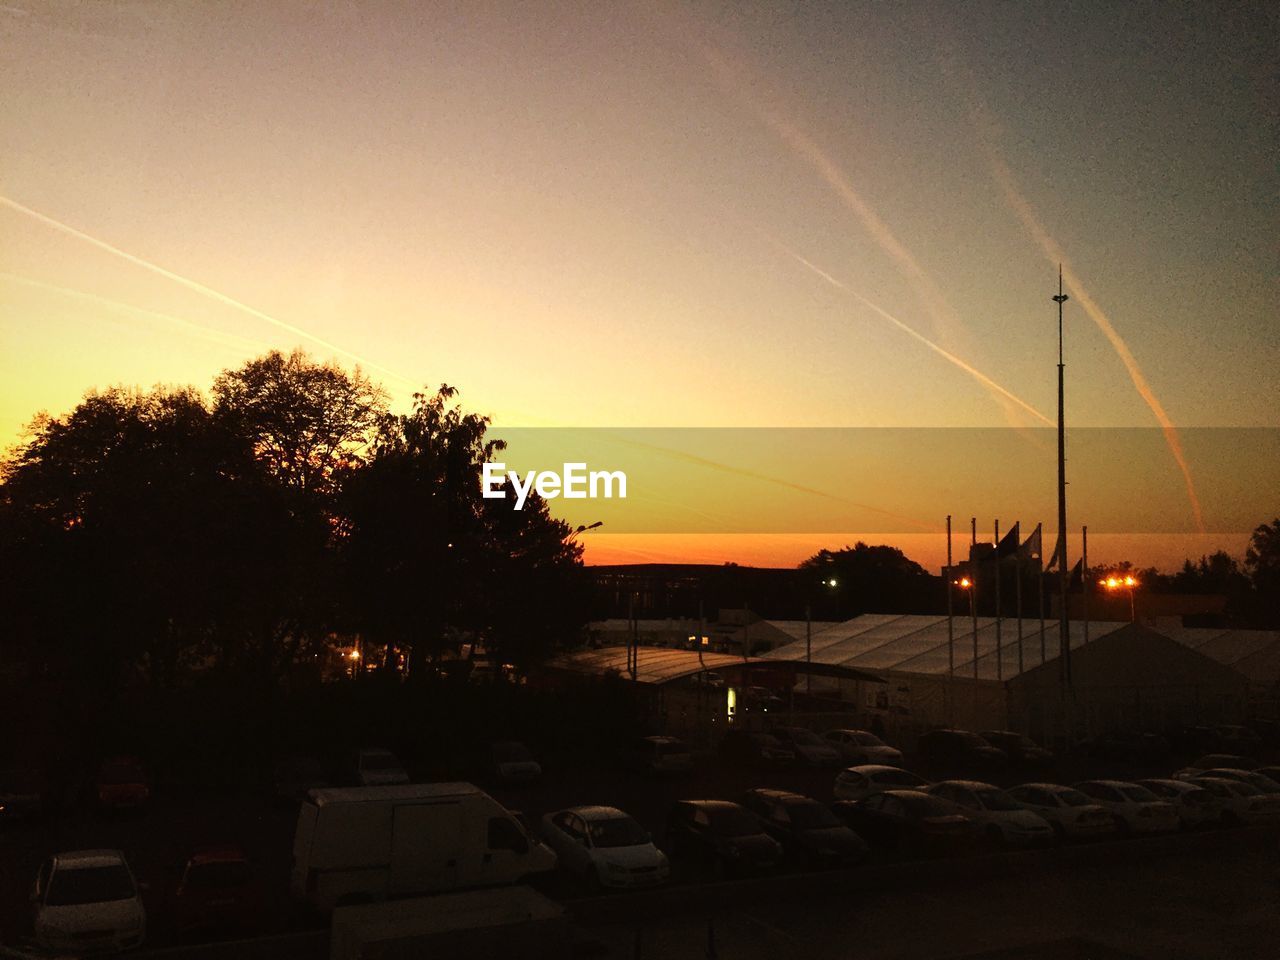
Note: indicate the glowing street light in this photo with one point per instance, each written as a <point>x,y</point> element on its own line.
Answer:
<point>1127,582</point>
<point>964,583</point>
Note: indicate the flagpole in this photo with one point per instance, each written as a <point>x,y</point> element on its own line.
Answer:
<point>1084,577</point>
<point>951,638</point>
<point>1044,653</point>
<point>1064,621</point>
<point>999,644</point>
<point>1017,596</point>
<point>973,597</point>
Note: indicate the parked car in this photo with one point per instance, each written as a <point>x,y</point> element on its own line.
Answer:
<point>755,745</point>
<point>22,794</point>
<point>724,834</point>
<point>807,829</point>
<point>604,847</point>
<point>218,892</point>
<point>808,746</point>
<point>909,823</point>
<point>1071,814</point>
<point>1242,803</point>
<point>1259,780</point>
<point>1271,773</point>
<point>1136,809</point>
<point>959,751</point>
<point>87,901</point>
<point>1195,804</point>
<point>510,762</point>
<point>121,784</point>
<point>1021,750</point>
<point>1003,819</point>
<point>659,756</point>
<point>296,776</point>
<point>857,783</point>
<point>862,746</point>
<point>378,767</point>
<point>1216,761</point>
<point>357,844</point>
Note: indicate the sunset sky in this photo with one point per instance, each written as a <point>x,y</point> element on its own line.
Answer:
<point>667,215</point>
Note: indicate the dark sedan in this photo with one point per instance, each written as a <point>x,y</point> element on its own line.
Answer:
<point>722,834</point>
<point>910,823</point>
<point>807,830</point>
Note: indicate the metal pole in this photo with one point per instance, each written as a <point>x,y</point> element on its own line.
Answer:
<point>1064,622</point>
<point>1084,578</point>
<point>999,643</point>
<point>973,594</point>
<point>951,637</point>
<point>1017,600</point>
<point>1044,653</point>
<point>808,650</point>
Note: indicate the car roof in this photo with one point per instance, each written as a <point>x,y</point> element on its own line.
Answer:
<point>1232,770</point>
<point>1054,787</point>
<point>968,784</point>
<point>76,859</point>
<point>595,812</point>
<point>1108,783</point>
<point>1182,785</point>
<point>774,794</point>
<point>402,791</point>
<point>227,854</point>
<point>661,739</point>
<point>867,769</point>
<point>710,804</point>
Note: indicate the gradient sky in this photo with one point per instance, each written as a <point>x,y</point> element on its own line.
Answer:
<point>653,215</point>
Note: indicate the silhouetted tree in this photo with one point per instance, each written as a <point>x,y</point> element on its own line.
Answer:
<point>1262,564</point>
<point>875,579</point>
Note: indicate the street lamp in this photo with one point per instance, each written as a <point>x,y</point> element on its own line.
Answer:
<point>1126,582</point>
<point>830,583</point>
<point>583,528</point>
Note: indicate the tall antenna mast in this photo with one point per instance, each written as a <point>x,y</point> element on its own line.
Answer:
<point>1064,636</point>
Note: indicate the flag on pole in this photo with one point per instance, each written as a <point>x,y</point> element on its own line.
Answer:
<point>1008,546</point>
<point>1031,548</point>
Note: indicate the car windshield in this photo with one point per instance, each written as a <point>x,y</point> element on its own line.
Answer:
<point>71,887</point>
<point>1073,798</point>
<point>378,761</point>
<point>811,816</point>
<point>806,737</point>
<point>996,800</point>
<point>1140,794</point>
<point>970,739</point>
<point>734,822</point>
<point>618,832</point>
<point>1244,789</point>
<point>218,875</point>
<point>511,753</point>
<point>901,777</point>
<point>867,740</point>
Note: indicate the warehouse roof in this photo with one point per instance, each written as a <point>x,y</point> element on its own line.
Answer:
<point>1254,653</point>
<point>918,644</point>
<point>658,665</point>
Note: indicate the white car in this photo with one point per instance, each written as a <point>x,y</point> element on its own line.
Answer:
<point>808,746</point>
<point>1069,812</point>
<point>1242,803</point>
<point>605,847</point>
<point>87,901</point>
<point>376,767</point>
<point>1259,780</point>
<point>860,746</point>
<point>858,783</point>
<point>1136,809</point>
<point>1002,818</point>
<point>513,763</point>
<point>1195,804</point>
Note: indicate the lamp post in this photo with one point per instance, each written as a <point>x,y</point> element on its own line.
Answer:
<point>581,529</point>
<point>832,583</point>
<point>1127,582</point>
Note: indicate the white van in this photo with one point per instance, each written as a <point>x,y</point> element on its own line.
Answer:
<point>361,844</point>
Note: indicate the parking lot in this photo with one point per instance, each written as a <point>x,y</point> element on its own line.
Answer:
<point>1213,868</point>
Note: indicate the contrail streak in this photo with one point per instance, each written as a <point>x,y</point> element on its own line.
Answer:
<point>731,79</point>
<point>200,288</point>
<point>230,340</point>
<point>1051,249</point>
<point>978,375</point>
